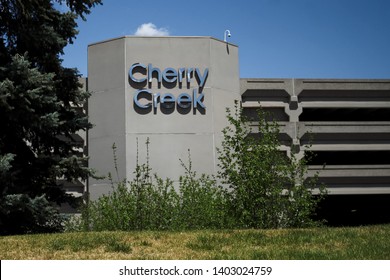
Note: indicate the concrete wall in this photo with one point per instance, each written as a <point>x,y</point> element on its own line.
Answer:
<point>337,117</point>
<point>171,132</point>
<point>345,122</point>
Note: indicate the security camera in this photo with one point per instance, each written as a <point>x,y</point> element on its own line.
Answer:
<point>227,32</point>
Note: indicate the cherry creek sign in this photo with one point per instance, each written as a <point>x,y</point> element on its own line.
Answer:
<point>141,77</point>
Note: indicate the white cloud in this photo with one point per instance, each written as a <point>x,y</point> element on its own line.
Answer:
<point>149,29</point>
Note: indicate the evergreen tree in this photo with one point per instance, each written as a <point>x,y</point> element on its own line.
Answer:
<point>41,109</point>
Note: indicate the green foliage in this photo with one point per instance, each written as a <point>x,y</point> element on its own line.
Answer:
<point>207,242</point>
<point>302,204</point>
<point>41,106</point>
<point>263,188</point>
<point>5,164</point>
<point>267,189</point>
<point>22,213</point>
<point>148,202</point>
<point>202,203</point>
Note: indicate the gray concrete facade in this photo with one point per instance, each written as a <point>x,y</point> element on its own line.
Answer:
<point>174,91</point>
<point>171,90</point>
<point>345,122</point>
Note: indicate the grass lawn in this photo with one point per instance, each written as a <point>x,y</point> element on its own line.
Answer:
<point>371,242</point>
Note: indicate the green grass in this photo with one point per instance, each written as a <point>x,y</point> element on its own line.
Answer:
<point>371,242</point>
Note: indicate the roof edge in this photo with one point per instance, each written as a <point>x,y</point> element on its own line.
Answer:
<point>160,37</point>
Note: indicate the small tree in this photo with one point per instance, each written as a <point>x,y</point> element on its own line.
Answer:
<point>267,189</point>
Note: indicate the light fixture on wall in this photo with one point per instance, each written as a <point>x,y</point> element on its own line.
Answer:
<point>227,33</point>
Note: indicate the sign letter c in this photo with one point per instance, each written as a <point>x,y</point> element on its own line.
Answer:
<point>143,93</point>
<point>131,71</point>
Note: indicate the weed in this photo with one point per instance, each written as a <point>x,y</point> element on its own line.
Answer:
<point>207,242</point>
<point>145,243</point>
<point>118,246</point>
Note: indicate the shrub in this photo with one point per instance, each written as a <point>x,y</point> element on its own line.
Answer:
<point>201,203</point>
<point>267,189</point>
<point>262,188</point>
<point>148,202</point>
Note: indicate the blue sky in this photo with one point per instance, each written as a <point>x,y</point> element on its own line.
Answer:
<point>276,38</point>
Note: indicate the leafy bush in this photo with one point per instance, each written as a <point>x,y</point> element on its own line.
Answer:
<point>146,202</point>
<point>149,202</point>
<point>201,203</point>
<point>267,189</point>
<point>263,188</point>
